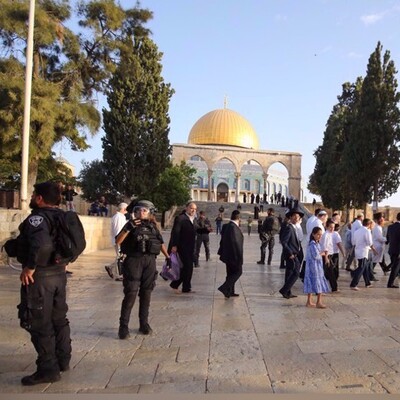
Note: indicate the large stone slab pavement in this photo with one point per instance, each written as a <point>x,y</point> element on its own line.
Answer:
<point>203,343</point>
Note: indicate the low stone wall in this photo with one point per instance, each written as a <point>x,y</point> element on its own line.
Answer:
<point>97,229</point>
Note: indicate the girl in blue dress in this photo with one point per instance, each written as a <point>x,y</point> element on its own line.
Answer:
<point>314,278</point>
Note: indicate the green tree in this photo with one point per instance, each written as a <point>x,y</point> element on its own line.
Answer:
<point>359,158</point>
<point>94,183</point>
<point>173,187</point>
<point>330,178</point>
<point>373,149</point>
<point>68,69</point>
<point>136,147</point>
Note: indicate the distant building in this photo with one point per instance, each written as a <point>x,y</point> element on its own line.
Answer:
<point>224,148</point>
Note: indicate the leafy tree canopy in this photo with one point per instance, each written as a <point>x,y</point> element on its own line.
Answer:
<point>69,68</point>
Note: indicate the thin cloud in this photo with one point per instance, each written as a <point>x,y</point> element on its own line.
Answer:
<point>372,18</point>
<point>353,54</point>
<point>281,18</point>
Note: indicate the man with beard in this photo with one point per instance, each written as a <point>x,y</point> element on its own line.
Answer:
<point>182,241</point>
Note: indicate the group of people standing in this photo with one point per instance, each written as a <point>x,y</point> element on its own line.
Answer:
<point>319,268</point>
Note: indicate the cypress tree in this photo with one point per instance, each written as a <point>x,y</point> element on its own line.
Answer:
<point>136,147</point>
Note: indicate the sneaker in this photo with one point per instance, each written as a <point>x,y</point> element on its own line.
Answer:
<point>354,288</point>
<point>123,333</point>
<point>109,271</point>
<point>40,377</point>
<point>145,329</point>
<point>368,286</point>
<point>261,262</point>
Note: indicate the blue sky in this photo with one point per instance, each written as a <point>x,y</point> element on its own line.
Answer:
<point>281,63</point>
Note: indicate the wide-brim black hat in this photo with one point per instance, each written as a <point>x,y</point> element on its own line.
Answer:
<point>294,211</point>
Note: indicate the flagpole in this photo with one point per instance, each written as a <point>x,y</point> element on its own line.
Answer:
<point>27,108</point>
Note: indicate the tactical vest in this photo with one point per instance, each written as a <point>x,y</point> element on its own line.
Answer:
<point>144,239</point>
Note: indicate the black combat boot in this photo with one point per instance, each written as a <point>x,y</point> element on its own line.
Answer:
<point>41,377</point>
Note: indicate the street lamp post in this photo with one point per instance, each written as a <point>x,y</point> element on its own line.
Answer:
<point>27,108</point>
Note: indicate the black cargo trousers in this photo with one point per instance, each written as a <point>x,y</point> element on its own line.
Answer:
<point>43,313</point>
<point>139,274</point>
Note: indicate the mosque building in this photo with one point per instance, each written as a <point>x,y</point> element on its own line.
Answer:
<point>224,149</point>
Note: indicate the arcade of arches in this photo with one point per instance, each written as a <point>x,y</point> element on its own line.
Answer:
<point>217,187</point>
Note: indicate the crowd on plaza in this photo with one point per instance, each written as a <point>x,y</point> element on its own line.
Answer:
<point>137,239</point>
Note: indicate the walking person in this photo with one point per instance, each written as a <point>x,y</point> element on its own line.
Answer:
<point>362,242</point>
<point>231,253</point>
<point>249,223</point>
<point>218,223</point>
<point>203,228</point>
<point>292,252</point>
<point>330,244</point>
<point>314,277</point>
<point>379,241</point>
<point>118,221</point>
<point>393,239</point>
<point>182,241</point>
<point>269,228</point>
<point>141,241</point>
<point>43,308</point>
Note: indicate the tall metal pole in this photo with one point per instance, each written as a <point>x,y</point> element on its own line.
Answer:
<point>27,108</point>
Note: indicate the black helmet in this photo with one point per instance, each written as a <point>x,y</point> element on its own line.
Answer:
<point>146,204</point>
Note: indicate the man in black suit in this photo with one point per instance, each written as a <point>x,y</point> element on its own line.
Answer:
<point>231,253</point>
<point>182,241</point>
<point>393,239</point>
<point>292,252</point>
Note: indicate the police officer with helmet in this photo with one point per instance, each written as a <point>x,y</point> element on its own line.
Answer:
<point>141,240</point>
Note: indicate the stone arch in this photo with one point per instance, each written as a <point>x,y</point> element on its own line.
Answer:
<point>222,192</point>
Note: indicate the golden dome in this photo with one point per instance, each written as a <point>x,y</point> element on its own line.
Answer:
<point>223,127</point>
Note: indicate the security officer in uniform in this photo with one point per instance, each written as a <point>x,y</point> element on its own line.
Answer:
<point>141,241</point>
<point>43,308</point>
<point>269,228</point>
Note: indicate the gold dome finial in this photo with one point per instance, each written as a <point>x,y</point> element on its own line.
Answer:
<point>225,102</point>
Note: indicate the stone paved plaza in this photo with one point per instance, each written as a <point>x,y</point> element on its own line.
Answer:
<point>203,343</point>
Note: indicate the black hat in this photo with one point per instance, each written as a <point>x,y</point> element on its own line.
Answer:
<point>294,211</point>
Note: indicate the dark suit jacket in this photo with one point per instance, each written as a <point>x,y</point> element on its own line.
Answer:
<point>231,244</point>
<point>290,243</point>
<point>183,235</point>
<point>393,238</point>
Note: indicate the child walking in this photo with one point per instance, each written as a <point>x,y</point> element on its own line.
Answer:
<point>314,278</point>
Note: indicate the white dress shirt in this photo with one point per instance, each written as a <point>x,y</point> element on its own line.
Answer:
<point>362,241</point>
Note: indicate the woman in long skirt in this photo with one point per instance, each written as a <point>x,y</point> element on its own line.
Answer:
<point>314,278</point>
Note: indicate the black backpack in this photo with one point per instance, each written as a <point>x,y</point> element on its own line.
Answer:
<point>69,236</point>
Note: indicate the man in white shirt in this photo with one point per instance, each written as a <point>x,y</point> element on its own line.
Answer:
<point>117,223</point>
<point>320,221</point>
<point>331,242</point>
<point>379,241</point>
<point>362,242</point>
<point>310,223</point>
<point>356,224</point>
